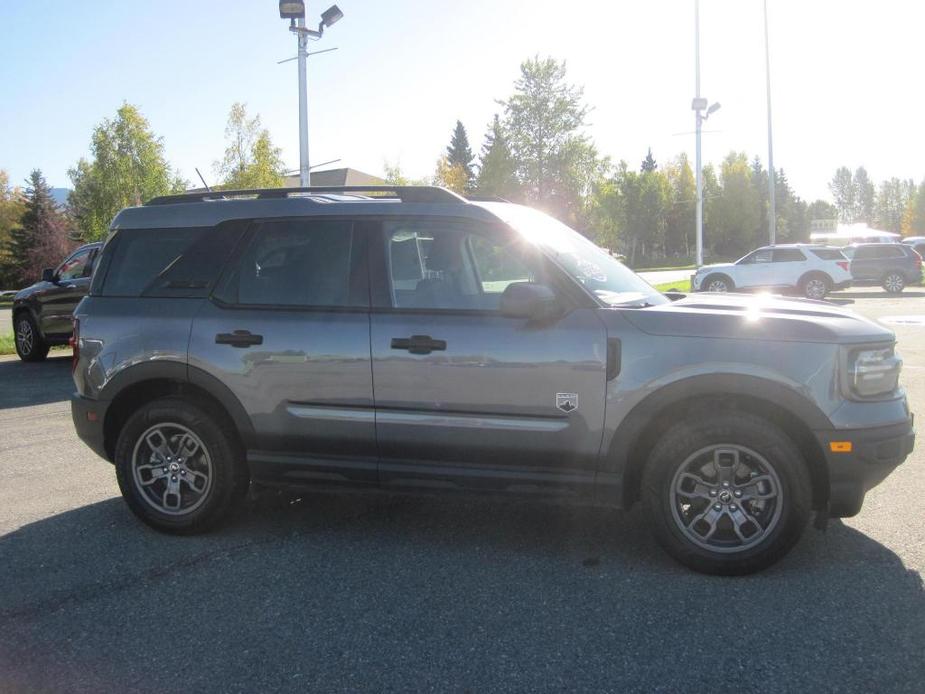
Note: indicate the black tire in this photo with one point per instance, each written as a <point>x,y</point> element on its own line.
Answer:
<point>29,343</point>
<point>229,478</point>
<point>893,282</point>
<point>815,286</point>
<point>684,441</point>
<point>725,280</point>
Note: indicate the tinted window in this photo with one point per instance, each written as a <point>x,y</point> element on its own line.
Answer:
<point>446,266</point>
<point>759,256</point>
<point>879,252</point>
<point>168,262</point>
<point>828,253</point>
<point>75,266</point>
<point>788,255</point>
<point>300,263</point>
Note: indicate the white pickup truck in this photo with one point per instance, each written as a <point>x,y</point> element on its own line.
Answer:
<point>814,271</point>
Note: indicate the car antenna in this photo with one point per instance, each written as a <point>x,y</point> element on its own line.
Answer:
<point>208,190</point>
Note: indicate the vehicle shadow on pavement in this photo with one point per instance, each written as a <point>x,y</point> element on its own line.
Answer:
<point>23,384</point>
<point>440,593</point>
<point>914,294</point>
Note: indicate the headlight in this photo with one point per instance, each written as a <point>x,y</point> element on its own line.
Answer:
<point>873,372</point>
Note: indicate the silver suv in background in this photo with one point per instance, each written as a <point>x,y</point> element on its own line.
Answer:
<point>813,271</point>
<point>425,343</point>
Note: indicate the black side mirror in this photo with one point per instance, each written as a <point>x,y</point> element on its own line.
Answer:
<point>48,275</point>
<point>528,300</point>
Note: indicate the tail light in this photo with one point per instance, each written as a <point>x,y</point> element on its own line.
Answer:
<point>74,342</point>
<point>843,264</point>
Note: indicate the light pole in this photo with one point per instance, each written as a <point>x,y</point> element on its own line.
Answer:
<point>772,215</point>
<point>295,13</point>
<point>699,105</point>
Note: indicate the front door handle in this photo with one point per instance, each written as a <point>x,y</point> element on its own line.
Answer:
<point>239,338</point>
<point>419,344</point>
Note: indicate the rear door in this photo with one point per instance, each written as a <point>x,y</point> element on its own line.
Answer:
<point>466,397</point>
<point>787,267</point>
<point>58,301</point>
<point>287,331</point>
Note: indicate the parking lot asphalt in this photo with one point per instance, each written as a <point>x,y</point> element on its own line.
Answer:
<point>345,593</point>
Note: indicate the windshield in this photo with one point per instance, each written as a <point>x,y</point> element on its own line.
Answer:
<point>609,279</point>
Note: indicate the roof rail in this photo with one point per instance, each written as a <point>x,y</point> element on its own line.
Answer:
<point>431,194</point>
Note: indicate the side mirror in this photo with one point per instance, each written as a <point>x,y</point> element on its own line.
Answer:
<point>48,275</point>
<point>528,300</point>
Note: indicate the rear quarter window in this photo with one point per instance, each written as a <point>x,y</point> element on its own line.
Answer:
<point>183,262</point>
<point>828,253</point>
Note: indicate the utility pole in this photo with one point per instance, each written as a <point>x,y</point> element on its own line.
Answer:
<point>772,215</point>
<point>697,109</point>
<point>305,174</point>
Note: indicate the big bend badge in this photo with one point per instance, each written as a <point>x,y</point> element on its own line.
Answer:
<point>567,402</point>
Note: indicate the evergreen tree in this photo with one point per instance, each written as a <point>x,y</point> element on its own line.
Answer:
<point>496,164</point>
<point>648,164</point>
<point>459,154</point>
<point>41,240</point>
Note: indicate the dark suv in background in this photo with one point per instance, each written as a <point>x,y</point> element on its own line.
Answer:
<point>893,266</point>
<point>43,312</point>
<point>426,343</point>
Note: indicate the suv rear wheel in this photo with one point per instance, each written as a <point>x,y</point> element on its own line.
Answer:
<point>29,343</point>
<point>179,466</point>
<point>894,282</point>
<point>815,286</point>
<point>726,493</point>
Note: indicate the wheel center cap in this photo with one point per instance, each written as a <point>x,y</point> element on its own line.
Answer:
<point>174,467</point>
<point>725,496</point>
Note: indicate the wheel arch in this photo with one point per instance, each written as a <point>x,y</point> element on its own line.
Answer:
<point>640,430</point>
<point>144,382</point>
<point>815,273</point>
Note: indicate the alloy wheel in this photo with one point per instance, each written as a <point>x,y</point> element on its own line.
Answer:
<point>25,337</point>
<point>718,286</point>
<point>815,289</point>
<point>893,283</point>
<point>726,498</point>
<point>172,469</point>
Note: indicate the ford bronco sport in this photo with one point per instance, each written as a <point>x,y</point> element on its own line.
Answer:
<point>406,339</point>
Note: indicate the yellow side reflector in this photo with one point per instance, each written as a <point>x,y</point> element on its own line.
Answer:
<point>840,446</point>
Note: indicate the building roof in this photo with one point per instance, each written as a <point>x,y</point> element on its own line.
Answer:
<point>337,177</point>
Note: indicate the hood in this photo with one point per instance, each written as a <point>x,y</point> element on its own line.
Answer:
<point>757,317</point>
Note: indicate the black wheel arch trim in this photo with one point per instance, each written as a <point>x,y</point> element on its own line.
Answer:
<point>183,373</point>
<point>622,459</point>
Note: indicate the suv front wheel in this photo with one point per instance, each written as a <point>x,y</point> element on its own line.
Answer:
<point>29,343</point>
<point>179,466</point>
<point>726,493</point>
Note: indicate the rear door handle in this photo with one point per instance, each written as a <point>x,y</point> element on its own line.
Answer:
<point>239,338</point>
<point>419,344</point>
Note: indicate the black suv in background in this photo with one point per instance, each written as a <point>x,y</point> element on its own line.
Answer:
<point>891,265</point>
<point>42,312</point>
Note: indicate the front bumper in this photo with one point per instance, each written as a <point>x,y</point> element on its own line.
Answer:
<point>875,453</point>
<point>88,416</point>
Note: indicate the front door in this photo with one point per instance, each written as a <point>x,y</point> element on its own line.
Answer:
<point>466,397</point>
<point>57,301</point>
<point>288,332</point>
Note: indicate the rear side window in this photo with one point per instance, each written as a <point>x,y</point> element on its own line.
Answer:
<point>168,262</point>
<point>891,250</point>
<point>828,253</point>
<point>788,255</point>
<point>318,263</point>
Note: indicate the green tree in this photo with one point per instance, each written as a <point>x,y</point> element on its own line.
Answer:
<point>681,222</point>
<point>555,162</point>
<point>737,211</point>
<point>251,160</point>
<point>649,164</point>
<point>127,168</point>
<point>12,207</point>
<point>41,239</point>
<point>892,200</point>
<point>821,209</point>
<point>452,176</point>
<point>497,170</point>
<point>459,154</point>
<point>394,175</point>
<point>845,194</point>
<point>916,225</point>
<point>865,196</point>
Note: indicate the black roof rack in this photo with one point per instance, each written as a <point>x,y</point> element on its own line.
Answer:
<point>431,194</point>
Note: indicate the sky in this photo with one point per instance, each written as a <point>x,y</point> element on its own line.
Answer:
<point>845,87</point>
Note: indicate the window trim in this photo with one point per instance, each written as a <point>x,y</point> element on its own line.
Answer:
<point>247,239</point>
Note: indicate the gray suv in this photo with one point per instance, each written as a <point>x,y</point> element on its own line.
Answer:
<point>409,340</point>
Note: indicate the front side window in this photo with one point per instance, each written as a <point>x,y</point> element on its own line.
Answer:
<point>445,266</point>
<point>299,263</point>
<point>74,267</point>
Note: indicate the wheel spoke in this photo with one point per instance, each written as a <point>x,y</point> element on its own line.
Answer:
<point>154,473</point>
<point>197,481</point>
<point>711,517</point>
<point>741,520</point>
<point>171,497</point>
<point>726,461</point>
<point>694,487</point>
<point>158,443</point>
<point>187,446</point>
<point>752,490</point>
